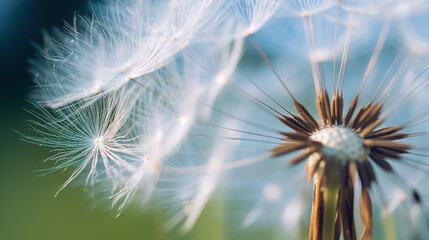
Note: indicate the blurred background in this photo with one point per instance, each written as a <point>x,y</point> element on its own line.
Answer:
<point>28,209</point>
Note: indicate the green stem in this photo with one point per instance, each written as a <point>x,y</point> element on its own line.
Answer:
<point>389,226</point>
<point>330,199</point>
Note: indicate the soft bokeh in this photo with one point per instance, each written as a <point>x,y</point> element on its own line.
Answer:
<point>28,209</point>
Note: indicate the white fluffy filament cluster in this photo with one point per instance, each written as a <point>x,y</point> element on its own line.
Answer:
<point>341,144</point>
<point>147,99</point>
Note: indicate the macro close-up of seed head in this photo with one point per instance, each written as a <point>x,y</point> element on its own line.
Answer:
<point>243,119</point>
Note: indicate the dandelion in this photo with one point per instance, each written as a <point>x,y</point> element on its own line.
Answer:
<point>99,54</point>
<point>158,99</point>
<point>345,143</point>
<point>97,139</point>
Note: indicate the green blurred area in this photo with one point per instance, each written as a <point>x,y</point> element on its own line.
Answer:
<point>29,210</point>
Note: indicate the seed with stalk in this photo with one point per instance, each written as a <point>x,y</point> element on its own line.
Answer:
<point>337,149</point>
<point>181,57</point>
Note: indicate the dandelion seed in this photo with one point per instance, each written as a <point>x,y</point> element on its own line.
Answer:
<point>152,97</point>
<point>94,139</point>
<point>252,15</point>
<point>345,143</point>
<point>100,54</point>
<point>307,8</point>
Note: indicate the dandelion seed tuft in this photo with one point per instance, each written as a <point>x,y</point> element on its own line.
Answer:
<point>158,99</point>
<point>340,143</point>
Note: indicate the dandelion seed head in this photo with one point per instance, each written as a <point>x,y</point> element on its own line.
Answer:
<point>248,32</point>
<point>340,143</point>
<point>95,139</point>
<point>98,140</point>
<point>183,55</point>
<point>253,14</point>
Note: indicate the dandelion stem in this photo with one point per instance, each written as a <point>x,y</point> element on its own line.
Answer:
<point>324,215</point>
<point>330,199</point>
<point>389,226</point>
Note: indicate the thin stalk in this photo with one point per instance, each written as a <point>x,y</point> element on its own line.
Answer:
<point>389,226</point>
<point>330,200</point>
<point>326,181</point>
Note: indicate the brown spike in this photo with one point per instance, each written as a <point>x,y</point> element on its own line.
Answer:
<point>303,123</point>
<point>296,136</point>
<point>291,123</point>
<point>366,131</point>
<point>339,109</point>
<point>366,214</point>
<point>326,105</point>
<point>370,172</point>
<point>326,170</point>
<point>351,111</point>
<point>380,161</point>
<point>398,151</point>
<point>314,144</point>
<point>346,203</point>
<point>334,106</point>
<point>373,111</point>
<point>322,115</point>
<point>354,123</point>
<point>394,136</point>
<point>385,143</point>
<point>301,157</point>
<point>363,175</point>
<point>373,115</point>
<point>369,116</point>
<point>316,212</point>
<point>337,232</point>
<point>387,153</point>
<point>305,114</point>
<point>286,148</point>
<point>384,131</point>
<point>416,196</point>
<point>310,174</point>
<point>358,117</point>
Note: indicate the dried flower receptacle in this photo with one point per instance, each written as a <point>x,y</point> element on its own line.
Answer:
<point>337,149</point>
